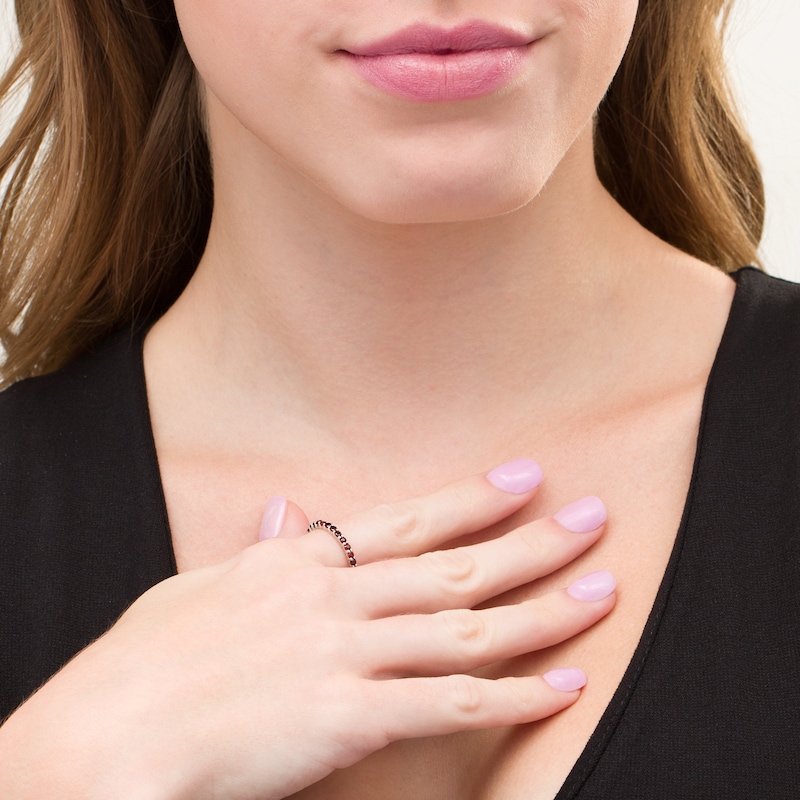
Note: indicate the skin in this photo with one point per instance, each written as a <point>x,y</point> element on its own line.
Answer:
<point>393,295</point>
<point>280,77</point>
<point>261,675</point>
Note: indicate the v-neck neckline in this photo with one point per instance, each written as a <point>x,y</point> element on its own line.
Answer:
<point>600,738</point>
<point>603,732</point>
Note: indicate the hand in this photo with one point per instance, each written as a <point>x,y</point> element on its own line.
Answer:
<point>260,676</point>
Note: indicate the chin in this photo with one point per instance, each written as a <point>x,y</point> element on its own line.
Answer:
<point>439,213</point>
<point>424,201</point>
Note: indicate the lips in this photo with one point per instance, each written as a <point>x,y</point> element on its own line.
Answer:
<point>422,38</point>
<point>430,64</point>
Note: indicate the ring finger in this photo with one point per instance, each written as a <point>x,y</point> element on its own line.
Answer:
<point>460,640</point>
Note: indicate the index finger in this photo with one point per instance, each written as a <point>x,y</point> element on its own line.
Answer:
<point>416,526</point>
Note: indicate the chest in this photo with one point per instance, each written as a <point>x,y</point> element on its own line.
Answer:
<point>640,464</point>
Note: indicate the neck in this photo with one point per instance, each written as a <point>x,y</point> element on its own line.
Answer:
<point>323,318</point>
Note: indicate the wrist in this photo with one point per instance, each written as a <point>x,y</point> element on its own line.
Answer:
<point>80,738</point>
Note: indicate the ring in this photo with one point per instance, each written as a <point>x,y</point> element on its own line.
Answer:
<point>348,551</point>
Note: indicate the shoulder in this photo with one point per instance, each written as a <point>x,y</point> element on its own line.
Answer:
<point>763,329</point>
<point>83,525</point>
<point>58,432</point>
<point>68,437</point>
<point>60,401</point>
<point>766,300</point>
<point>753,393</point>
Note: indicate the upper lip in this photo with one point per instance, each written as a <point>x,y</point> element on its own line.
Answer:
<point>423,38</point>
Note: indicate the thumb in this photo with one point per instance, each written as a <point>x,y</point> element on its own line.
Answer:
<point>282,518</point>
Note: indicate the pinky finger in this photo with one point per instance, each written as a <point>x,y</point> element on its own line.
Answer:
<point>424,707</point>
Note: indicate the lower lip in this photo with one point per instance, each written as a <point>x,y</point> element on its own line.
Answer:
<point>432,77</point>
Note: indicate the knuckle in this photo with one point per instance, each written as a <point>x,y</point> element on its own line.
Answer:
<point>550,619</point>
<point>276,557</point>
<point>469,630</point>
<point>466,695</point>
<point>324,585</point>
<point>468,499</point>
<point>248,567</point>
<point>460,572</point>
<point>532,539</point>
<point>309,587</point>
<point>526,699</point>
<point>404,522</point>
<point>524,696</point>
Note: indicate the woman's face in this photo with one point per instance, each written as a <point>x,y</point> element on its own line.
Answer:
<point>401,128</point>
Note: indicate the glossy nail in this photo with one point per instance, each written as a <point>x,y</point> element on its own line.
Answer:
<point>566,680</point>
<point>596,586</point>
<point>516,477</point>
<point>582,516</point>
<point>274,515</point>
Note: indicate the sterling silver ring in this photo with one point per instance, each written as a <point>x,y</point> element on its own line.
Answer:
<point>348,551</point>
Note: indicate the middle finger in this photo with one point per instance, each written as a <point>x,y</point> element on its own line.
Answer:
<point>461,640</point>
<point>466,576</point>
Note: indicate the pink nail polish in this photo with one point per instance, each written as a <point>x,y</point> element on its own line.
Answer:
<point>566,680</point>
<point>590,588</point>
<point>516,477</point>
<point>274,515</point>
<point>582,516</point>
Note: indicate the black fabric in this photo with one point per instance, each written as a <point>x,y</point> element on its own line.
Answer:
<point>710,704</point>
<point>83,524</point>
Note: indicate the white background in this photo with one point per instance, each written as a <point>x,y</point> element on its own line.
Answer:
<point>765,60</point>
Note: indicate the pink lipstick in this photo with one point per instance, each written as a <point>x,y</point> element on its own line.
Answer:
<point>431,64</point>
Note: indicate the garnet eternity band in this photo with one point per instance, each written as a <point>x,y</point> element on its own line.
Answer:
<point>348,551</point>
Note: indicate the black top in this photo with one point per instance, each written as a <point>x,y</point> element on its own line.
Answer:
<point>710,704</point>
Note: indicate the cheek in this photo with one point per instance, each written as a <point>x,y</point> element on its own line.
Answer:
<point>263,65</point>
<point>586,50</point>
<point>603,27</point>
<point>232,43</point>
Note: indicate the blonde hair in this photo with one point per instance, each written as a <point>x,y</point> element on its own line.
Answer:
<point>107,176</point>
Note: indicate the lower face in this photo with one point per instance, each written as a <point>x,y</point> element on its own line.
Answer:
<point>404,129</point>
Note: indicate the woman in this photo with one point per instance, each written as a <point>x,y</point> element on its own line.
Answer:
<point>439,242</point>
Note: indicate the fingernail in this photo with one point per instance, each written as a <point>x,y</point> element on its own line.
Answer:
<point>274,515</point>
<point>582,516</point>
<point>596,586</point>
<point>566,680</point>
<point>516,477</point>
